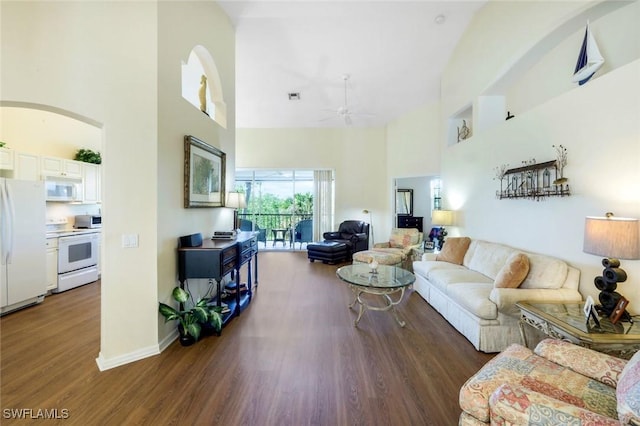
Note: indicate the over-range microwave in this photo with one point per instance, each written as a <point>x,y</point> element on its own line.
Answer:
<point>60,188</point>
<point>88,221</point>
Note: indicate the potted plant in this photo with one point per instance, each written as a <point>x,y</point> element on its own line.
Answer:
<point>88,156</point>
<point>191,320</point>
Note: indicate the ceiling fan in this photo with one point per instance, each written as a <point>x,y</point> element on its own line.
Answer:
<point>344,112</point>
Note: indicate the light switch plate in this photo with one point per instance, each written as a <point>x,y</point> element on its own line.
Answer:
<point>129,240</point>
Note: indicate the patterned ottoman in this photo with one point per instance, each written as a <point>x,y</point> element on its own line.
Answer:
<point>327,252</point>
<point>383,258</point>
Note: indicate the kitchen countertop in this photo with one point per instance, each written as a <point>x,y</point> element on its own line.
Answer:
<point>68,232</point>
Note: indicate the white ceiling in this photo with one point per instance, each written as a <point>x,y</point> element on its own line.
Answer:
<point>394,52</point>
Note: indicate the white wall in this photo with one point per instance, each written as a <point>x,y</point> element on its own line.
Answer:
<point>100,61</point>
<point>47,133</point>
<point>70,57</point>
<point>210,28</point>
<point>598,124</point>
<point>357,155</point>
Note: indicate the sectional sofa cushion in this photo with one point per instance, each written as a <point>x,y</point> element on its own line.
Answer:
<point>545,272</point>
<point>628,391</point>
<point>513,272</point>
<point>454,250</point>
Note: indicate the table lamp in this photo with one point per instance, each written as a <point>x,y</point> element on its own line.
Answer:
<point>441,218</point>
<point>236,200</point>
<point>617,238</point>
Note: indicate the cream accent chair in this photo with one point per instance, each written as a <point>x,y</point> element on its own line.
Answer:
<point>402,242</point>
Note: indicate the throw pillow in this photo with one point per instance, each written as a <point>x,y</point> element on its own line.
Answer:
<point>513,272</point>
<point>454,250</point>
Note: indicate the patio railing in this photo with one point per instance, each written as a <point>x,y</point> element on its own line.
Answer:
<point>269,222</point>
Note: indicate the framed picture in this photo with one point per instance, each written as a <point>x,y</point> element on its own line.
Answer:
<point>619,310</point>
<point>429,245</point>
<point>204,173</point>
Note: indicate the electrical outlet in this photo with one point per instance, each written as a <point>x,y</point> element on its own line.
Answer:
<point>129,240</point>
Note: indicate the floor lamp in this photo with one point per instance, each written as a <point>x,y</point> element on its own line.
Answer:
<point>236,200</point>
<point>365,211</point>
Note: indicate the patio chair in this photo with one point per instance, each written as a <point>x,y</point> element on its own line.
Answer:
<point>303,232</point>
<point>247,225</point>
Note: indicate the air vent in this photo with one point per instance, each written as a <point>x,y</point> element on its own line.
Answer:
<point>294,96</point>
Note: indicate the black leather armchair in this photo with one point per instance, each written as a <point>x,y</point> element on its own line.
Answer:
<point>354,233</point>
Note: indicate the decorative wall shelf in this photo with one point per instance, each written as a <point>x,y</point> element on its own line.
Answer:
<point>534,181</point>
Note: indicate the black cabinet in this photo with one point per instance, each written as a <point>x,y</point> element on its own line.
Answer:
<point>215,259</point>
<point>410,222</point>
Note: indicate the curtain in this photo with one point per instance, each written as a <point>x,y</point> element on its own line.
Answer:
<point>322,203</point>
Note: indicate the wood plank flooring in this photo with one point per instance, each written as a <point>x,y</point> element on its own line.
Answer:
<point>292,358</point>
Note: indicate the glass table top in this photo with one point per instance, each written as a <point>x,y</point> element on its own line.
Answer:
<point>386,276</point>
<point>572,315</point>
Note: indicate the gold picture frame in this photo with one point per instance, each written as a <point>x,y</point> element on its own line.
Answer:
<point>204,174</point>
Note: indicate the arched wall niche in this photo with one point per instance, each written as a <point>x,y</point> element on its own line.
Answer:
<point>199,63</point>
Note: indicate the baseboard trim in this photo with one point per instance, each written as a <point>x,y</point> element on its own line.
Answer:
<point>107,364</point>
<point>164,343</point>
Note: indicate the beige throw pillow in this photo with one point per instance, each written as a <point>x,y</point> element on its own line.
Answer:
<point>513,272</point>
<point>454,250</point>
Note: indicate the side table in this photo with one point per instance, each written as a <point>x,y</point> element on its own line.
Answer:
<point>566,321</point>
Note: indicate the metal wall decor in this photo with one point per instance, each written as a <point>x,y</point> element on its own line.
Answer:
<point>534,180</point>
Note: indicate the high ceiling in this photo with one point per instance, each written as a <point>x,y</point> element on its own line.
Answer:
<point>393,53</point>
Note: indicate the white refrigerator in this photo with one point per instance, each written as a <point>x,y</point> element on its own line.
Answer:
<point>22,244</point>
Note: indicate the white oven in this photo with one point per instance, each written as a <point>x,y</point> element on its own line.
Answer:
<point>77,260</point>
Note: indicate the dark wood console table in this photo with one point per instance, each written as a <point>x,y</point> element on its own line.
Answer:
<point>214,260</point>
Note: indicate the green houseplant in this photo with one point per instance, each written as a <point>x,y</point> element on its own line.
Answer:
<point>191,321</point>
<point>88,156</point>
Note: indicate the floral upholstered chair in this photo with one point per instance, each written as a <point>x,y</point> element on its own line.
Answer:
<point>402,242</point>
<point>557,383</point>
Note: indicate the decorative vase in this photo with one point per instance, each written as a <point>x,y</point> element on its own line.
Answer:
<point>373,266</point>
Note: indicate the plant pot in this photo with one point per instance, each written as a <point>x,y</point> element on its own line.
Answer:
<point>185,339</point>
<point>208,330</point>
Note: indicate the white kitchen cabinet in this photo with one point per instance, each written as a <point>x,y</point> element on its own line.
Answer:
<point>27,166</point>
<point>91,183</point>
<point>52,263</point>
<point>61,167</point>
<point>6,159</point>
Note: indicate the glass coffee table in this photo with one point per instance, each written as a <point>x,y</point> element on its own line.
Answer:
<point>386,281</point>
<point>566,321</point>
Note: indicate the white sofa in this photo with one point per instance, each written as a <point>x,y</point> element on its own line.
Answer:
<point>486,315</point>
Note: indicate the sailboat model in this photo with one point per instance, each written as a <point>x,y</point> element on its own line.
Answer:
<point>589,61</point>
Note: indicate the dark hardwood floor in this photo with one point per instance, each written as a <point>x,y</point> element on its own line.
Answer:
<point>292,358</point>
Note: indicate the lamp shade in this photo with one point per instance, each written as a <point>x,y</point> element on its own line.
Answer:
<point>614,237</point>
<point>442,217</point>
<point>236,200</point>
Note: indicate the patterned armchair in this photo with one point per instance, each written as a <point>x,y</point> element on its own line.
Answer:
<point>402,241</point>
<point>557,383</point>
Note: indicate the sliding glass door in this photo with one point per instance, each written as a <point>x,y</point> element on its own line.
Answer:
<point>279,205</point>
